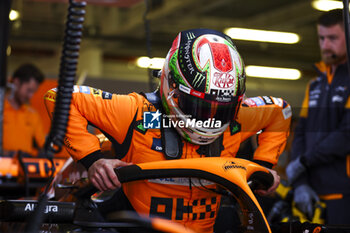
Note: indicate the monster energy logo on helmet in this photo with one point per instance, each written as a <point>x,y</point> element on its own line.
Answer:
<point>190,36</point>
<point>198,80</point>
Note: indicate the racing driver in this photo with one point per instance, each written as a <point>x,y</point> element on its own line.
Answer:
<point>198,111</point>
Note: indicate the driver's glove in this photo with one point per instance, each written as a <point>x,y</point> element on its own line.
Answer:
<point>294,170</point>
<point>305,198</point>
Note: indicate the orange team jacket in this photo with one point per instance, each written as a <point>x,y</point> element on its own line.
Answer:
<point>183,200</point>
<point>23,129</point>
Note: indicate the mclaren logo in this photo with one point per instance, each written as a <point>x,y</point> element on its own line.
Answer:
<point>230,165</point>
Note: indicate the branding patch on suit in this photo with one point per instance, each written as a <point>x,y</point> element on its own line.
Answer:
<point>106,95</point>
<point>258,101</point>
<point>235,127</point>
<point>50,96</point>
<point>157,144</point>
<point>267,100</point>
<point>287,112</point>
<point>139,127</point>
<point>84,89</point>
<point>96,92</point>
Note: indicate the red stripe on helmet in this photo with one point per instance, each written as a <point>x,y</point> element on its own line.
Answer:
<point>222,57</point>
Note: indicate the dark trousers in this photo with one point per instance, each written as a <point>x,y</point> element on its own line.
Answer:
<point>338,211</point>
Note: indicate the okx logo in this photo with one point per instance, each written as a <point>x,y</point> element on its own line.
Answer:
<point>151,120</point>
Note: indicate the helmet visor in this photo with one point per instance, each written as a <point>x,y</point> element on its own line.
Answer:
<point>209,107</point>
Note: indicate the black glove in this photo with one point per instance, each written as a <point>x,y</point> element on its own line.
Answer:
<point>305,198</point>
<point>294,170</point>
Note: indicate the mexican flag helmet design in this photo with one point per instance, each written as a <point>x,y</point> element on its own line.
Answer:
<point>202,80</point>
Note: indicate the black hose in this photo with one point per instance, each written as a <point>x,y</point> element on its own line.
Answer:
<point>67,72</point>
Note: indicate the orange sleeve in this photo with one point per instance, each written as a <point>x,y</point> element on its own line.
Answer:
<point>39,134</point>
<point>271,121</point>
<point>112,114</point>
<point>21,128</point>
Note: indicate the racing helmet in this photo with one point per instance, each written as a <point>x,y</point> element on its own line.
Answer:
<point>202,84</point>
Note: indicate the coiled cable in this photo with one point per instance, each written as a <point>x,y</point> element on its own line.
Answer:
<point>67,72</point>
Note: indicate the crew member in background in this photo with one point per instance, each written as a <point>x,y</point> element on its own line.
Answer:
<point>23,130</point>
<point>203,79</point>
<point>320,167</point>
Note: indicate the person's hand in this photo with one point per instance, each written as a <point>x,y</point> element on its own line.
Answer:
<point>305,198</point>
<point>294,170</point>
<point>101,174</point>
<point>276,182</point>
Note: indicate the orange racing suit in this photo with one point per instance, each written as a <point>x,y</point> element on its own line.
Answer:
<point>23,130</point>
<point>184,200</point>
